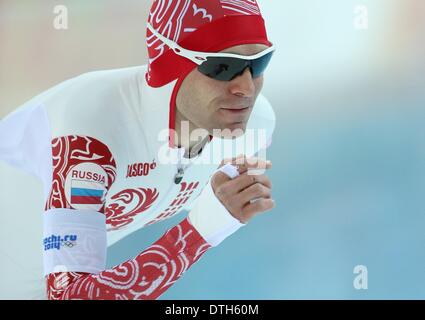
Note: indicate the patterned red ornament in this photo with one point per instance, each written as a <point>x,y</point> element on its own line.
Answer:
<point>127,204</point>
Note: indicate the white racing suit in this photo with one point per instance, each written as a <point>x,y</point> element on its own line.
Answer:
<point>95,143</point>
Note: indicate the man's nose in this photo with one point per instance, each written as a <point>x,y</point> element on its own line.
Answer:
<point>243,85</point>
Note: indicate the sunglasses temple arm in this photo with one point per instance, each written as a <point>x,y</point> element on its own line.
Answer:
<point>175,47</point>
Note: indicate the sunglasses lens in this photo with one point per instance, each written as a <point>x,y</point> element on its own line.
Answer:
<point>222,68</point>
<point>259,65</point>
<point>226,69</point>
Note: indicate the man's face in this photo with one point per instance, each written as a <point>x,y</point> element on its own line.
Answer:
<point>212,104</point>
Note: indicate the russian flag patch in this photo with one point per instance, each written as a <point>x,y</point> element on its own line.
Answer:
<point>86,192</point>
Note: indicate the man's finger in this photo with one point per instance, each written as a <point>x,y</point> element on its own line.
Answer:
<point>244,181</point>
<point>253,165</point>
<point>232,160</point>
<point>260,206</point>
<point>219,178</point>
<point>254,192</point>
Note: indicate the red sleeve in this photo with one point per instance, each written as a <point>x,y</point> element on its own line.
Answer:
<point>146,276</point>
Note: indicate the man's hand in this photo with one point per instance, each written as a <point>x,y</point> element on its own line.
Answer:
<point>248,194</point>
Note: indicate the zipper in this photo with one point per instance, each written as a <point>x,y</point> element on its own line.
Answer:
<point>178,177</point>
<point>180,172</point>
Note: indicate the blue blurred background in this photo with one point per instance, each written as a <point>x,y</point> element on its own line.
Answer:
<point>348,151</point>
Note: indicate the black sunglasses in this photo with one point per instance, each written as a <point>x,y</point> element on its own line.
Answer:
<point>221,66</point>
<point>227,68</point>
